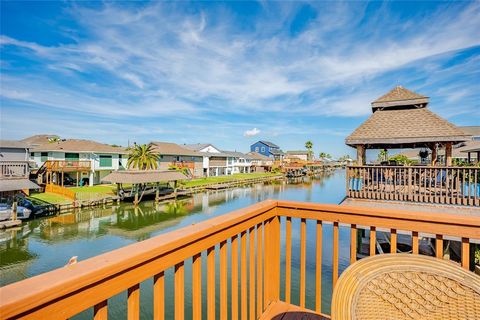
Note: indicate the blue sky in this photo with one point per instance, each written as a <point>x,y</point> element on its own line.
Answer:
<point>230,73</point>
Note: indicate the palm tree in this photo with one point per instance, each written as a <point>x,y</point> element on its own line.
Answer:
<point>324,155</point>
<point>143,157</point>
<point>309,146</point>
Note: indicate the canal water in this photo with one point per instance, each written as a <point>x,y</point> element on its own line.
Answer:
<point>45,244</point>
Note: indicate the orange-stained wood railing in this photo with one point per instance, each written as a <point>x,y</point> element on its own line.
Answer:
<point>53,188</point>
<point>446,185</point>
<point>68,165</point>
<point>252,235</point>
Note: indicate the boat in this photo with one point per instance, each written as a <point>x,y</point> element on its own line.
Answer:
<point>6,212</point>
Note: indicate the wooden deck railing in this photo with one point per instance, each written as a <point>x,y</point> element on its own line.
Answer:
<point>14,169</point>
<point>243,251</point>
<point>53,188</point>
<point>68,165</point>
<point>183,164</point>
<point>448,185</point>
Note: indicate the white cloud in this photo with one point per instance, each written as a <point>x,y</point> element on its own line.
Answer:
<point>251,133</point>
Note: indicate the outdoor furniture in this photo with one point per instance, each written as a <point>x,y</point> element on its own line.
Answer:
<point>404,286</point>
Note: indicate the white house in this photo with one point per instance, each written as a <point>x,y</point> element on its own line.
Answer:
<point>78,161</point>
<point>215,161</point>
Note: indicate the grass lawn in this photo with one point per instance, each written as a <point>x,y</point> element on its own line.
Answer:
<point>48,197</point>
<point>238,176</point>
<point>106,189</point>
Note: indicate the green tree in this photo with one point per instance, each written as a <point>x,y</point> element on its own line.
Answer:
<point>143,157</point>
<point>382,155</point>
<point>309,146</point>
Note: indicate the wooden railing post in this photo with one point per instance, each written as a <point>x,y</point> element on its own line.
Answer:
<point>272,261</point>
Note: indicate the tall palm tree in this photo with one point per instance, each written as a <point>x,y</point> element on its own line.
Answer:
<point>143,157</point>
<point>309,146</point>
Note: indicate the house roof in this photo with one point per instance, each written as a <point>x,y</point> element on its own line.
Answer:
<point>169,148</point>
<point>471,130</point>
<point>276,152</point>
<point>198,146</point>
<point>77,145</point>
<point>270,144</point>
<point>472,146</point>
<point>410,126</point>
<point>13,144</point>
<point>257,156</point>
<point>294,152</point>
<point>39,139</point>
<point>399,96</point>
<point>237,154</point>
<point>17,184</point>
<point>139,176</point>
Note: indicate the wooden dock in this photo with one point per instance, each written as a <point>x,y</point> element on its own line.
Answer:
<point>10,224</point>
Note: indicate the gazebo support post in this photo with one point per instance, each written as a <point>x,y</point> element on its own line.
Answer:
<point>360,155</point>
<point>157,192</point>
<point>478,156</point>
<point>469,157</point>
<point>448,154</point>
<point>434,154</point>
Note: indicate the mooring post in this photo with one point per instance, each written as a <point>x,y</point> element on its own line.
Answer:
<point>14,210</point>
<point>118,193</point>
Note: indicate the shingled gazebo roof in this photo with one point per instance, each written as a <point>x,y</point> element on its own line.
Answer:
<point>402,119</point>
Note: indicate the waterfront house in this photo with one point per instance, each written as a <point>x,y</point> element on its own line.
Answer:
<point>260,163</point>
<point>14,168</point>
<point>298,155</point>
<point>401,119</point>
<point>173,155</point>
<point>77,162</point>
<point>215,161</point>
<point>238,162</point>
<point>268,149</point>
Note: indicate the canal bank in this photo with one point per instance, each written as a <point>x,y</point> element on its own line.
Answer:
<point>48,243</point>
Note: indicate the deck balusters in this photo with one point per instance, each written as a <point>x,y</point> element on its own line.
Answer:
<point>133,301</point>
<point>159,296</point>
<point>100,311</point>
<point>211,283</point>
<point>318,268</point>
<point>303,259</point>
<point>288,258</point>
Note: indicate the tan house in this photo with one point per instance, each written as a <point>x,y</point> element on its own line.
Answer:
<point>299,155</point>
<point>77,162</point>
<point>174,155</point>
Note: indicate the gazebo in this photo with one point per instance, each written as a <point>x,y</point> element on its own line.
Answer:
<point>401,119</point>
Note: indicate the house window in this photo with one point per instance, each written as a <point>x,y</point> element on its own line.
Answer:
<point>257,149</point>
<point>32,154</point>
<point>72,156</point>
<point>263,149</point>
<point>105,161</point>
<point>44,156</point>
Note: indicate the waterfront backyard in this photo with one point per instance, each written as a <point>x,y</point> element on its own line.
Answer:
<point>48,243</point>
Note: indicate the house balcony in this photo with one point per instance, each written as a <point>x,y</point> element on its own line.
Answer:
<point>14,169</point>
<point>68,165</point>
<point>237,264</point>
<point>423,184</point>
<point>183,164</point>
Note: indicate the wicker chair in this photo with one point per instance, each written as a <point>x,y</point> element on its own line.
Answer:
<point>406,286</point>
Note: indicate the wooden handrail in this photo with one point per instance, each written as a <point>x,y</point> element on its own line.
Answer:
<point>67,291</point>
<point>67,164</point>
